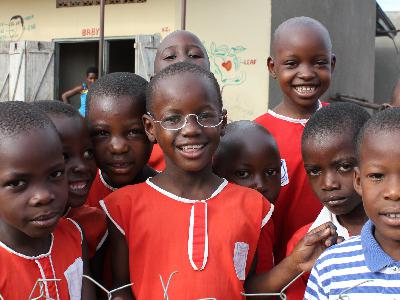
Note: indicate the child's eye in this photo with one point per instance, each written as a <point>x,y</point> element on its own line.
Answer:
<point>16,184</point>
<point>195,55</point>
<point>135,132</point>
<point>88,154</point>
<point>343,168</point>
<point>291,63</point>
<point>57,174</point>
<point>243,174</point>
<point>322,62</point>
<point>99,133</point>
<point>170,57</point>
<point>375,176</point>
<point>271,172</point>
<point>172,120</point>
<point>313,172</point>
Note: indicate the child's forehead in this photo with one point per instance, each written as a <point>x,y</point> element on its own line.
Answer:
<point>116,103</point>
<point>180,38</point>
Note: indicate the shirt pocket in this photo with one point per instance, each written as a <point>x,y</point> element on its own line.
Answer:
<point>74,279</point>
<point>240,259</point>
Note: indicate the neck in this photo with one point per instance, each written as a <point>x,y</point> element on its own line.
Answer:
<point>191,185</point>
<point>292,110</point>
<point>22,243</point>
<point>354,220</point>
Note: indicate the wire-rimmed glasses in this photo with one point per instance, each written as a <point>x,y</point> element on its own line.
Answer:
<point>176,121</point>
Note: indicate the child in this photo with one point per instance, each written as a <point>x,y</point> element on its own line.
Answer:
<point>367,266</point>
<point>248,155</point>
<point>302,61</point>
<point>329,154</point>
<point>91,77</point>
<point>35,244</point>
<point>176,47</point>
<point>80,168</point>
<point>182,212</point>
<point>116,103</point>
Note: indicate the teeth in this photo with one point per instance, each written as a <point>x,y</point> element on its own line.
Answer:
<point>191,147</point>
<point>78,185</point>
<point>305,89</point>
<point>393,216</point>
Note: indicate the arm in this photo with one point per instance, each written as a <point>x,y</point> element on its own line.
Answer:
<point>70,93</point>
<point>88,291</point>
<point>302,259</point>
<point>119,263</point>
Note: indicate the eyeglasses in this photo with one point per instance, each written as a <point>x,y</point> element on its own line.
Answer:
<point>204,119</point>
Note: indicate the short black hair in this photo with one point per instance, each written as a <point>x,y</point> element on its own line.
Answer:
<point>17,117</point>
<point>233,137</point>
<point>179,69</point>
<point>93,70</point>
<point>385,121</point>
<point>56,108</point>
<point>302,21</point>
<point>118,84</point>
<point>336,118</point>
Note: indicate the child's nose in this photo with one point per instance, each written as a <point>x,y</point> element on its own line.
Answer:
<point>392,189</point>
<point>306,72</point>
<point>118,145</point>
<point>329,181</point>
<point>41,196</point>
<point>191,126</point>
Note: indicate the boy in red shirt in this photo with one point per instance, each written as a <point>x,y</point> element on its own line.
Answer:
<point>116,103</point>
<point>302,61</point>
<point>36,244</point>
<point>329,154</point>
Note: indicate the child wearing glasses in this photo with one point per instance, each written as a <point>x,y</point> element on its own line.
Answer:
<point>116,103</point>
<point>185,233</point>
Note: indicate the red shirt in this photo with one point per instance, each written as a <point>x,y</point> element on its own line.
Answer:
<point>94,224</point>
<point>98,191</point>
<point>156,160</point>
<point>157,226</point>
<point>19,273</point>
<point>297,205</point>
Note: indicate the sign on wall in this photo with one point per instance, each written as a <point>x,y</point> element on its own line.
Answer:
<point>74,3</point>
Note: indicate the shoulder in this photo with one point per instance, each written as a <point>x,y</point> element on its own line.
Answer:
<point>263,119</point>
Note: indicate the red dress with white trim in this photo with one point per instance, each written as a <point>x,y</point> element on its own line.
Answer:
<point>98,191</point>
<point>297,205</point>
<point>93,221</point>
<point>188,249</point>
<point>19,273</point>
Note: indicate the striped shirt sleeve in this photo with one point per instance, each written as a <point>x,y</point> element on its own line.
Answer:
<point>315,289</point>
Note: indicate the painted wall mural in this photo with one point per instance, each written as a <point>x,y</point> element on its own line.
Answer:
<point>15,27</point>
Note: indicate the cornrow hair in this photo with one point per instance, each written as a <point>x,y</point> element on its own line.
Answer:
<point>178,69</point>
<point>17,117</point>
<point>115,85</point>
<point>56,108</point>
<point>337,118</point>
<point>384,121</point>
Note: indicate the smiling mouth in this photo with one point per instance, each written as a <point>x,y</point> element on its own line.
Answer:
<point>120,167</point>
<point>393,216</point>
<point>305,90</point>
<point>79,187</point>
<point>191,148</point>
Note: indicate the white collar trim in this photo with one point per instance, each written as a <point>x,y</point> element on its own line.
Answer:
<point>326,216</point>
<point>26,256</point>
<point>292,120</point>
<point>105,183</point>
<point>185,200</point>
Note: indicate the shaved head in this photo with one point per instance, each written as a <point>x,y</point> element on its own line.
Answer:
<point>293,25</point>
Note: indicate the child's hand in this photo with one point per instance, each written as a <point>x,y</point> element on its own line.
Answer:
<point>310,247</point>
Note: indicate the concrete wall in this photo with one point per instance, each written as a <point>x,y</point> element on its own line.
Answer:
<point>387,62</point>
<point>352,28</point>
<point>237,37</point>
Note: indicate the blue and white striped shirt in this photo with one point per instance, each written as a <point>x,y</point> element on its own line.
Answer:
<point>355,269</point>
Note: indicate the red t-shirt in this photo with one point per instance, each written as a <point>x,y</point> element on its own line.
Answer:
<point>63,261</point>
<point>297,205</point>
<point>94,224</point>
<point>98,191</point>
<point>156,160</point>
<point>160,228</point>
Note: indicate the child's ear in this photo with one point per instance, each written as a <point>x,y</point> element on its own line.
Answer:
<point>357,181</point>
<point>271,67</point>
<point>333,62</point>
<point>224,122</point>
<point>148,124</point>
